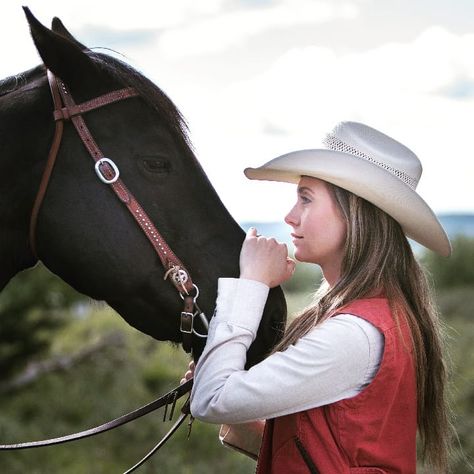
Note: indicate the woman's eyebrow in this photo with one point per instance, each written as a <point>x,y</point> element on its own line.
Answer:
<point>304,189</point>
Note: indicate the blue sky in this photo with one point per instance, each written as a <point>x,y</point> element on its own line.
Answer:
<point>256,79</point>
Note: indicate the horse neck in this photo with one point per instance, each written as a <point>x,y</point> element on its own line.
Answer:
<point>25,131</point>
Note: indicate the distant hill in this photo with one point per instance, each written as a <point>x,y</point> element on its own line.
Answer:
<point>455,224</point>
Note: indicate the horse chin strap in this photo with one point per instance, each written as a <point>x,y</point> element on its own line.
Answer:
<point>65,109</point>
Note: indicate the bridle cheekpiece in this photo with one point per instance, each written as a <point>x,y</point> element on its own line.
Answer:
<point>65,109</point>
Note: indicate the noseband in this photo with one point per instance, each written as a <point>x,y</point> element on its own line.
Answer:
<point>65,109</point>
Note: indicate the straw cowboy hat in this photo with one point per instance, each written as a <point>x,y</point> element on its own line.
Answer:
<point>373,166</point>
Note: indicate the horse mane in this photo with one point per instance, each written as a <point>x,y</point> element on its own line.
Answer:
<point>17,81</point>
<point>127,76</point>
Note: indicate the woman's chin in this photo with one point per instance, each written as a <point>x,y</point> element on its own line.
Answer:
<point>299,256</point>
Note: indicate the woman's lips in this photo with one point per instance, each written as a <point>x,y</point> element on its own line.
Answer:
<point>296,237</point>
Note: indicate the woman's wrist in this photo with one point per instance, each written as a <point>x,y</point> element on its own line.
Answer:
<point>253,277</point>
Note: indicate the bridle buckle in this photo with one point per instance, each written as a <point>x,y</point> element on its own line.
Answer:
<point>187,322</point>
<point>101,175</point>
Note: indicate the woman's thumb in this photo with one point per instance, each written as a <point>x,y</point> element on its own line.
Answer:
<point>252,232</point>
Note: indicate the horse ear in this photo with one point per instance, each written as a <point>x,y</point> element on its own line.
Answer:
<point>58,27</point>
<point>64,57</point>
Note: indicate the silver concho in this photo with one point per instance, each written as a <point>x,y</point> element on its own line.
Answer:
<point>180,277</point>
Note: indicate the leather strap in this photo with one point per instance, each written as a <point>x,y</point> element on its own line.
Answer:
<point>187,320</point>
<point>65,113</point>
<point>169,398</point>
<point>53,153</point>
<point>66,109</point>
<point>166,255</point>
<point>184,413</point>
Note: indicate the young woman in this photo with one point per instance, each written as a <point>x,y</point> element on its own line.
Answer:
<point>359,371</point>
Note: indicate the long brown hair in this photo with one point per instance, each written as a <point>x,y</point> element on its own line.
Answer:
<point>377,257</point>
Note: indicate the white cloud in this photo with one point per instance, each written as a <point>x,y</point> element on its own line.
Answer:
<point>217,33</point>
<point>123,14</point>
<point>397,88</point>
<point>91,15</point>
<point>186,27</point>
<point>306,86</point>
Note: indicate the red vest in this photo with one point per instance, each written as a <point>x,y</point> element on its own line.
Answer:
<point>371,433</point>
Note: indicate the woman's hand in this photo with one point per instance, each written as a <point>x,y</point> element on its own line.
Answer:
<point>265,260</point>
<point>189,374</point>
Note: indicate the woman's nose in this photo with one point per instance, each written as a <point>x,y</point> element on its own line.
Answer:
<point>291,217</point>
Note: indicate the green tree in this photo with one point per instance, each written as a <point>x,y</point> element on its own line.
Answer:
<point>32,307</point>
<point>455,271</point>
<point>453,279</point>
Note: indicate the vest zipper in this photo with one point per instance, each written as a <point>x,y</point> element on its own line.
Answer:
<point>306,457</point>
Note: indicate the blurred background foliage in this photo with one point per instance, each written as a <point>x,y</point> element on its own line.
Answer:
<point>68,363</point>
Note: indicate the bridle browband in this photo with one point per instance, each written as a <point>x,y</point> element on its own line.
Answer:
<point>65,109</point>
<point>107,171</point>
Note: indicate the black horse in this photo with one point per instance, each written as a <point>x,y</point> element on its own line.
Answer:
<point>84,233</point>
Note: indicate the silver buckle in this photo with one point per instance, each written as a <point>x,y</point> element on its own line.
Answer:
<point>184,331</point>
<point>112,165</point>
<point>195,297</point>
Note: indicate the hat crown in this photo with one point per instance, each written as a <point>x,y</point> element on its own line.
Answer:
<point>367,143</point>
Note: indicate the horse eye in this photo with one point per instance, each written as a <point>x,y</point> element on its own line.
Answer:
<point>156,165</point>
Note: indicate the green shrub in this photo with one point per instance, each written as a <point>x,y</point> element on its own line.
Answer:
<point>455,271</point>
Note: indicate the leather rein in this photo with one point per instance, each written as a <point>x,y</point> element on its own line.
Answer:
<point>166,400</point>
<point>65,109</point>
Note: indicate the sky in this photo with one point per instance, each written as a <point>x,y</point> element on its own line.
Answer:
<point>259,78</point>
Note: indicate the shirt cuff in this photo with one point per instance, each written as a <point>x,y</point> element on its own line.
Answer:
<point>240,302</point>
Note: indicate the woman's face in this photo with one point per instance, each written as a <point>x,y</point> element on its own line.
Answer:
<point>319,229</point>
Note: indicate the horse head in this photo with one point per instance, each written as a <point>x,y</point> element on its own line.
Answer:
<point>84,234</point>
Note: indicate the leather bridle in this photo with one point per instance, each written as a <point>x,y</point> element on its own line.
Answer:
<point>107,171</point>
<point>65,109</point>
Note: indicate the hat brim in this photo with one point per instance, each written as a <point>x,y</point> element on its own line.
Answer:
<point>367,180</point>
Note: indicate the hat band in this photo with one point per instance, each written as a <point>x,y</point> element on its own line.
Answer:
<point>336,144</point>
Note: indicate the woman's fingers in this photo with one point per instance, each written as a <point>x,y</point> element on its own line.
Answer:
<point>189,373</point>
<point>264,259</point>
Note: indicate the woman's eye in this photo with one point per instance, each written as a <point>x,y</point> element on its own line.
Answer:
<point>305,200</point>
<point>156,165</point>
